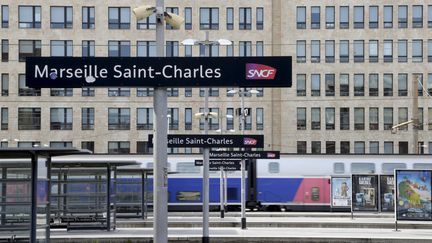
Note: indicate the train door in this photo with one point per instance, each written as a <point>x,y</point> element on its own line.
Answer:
<point>313,193</point>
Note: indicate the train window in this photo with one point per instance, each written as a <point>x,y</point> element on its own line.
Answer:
<point>150,166</point>
<point>232,193</point>
<point>188,196</point>
<point>422,166</point>
<point>388,168</point>
<point>362,168</point>
<point>338,168</point>
<point>315,194</point>
<point>187,167</point>
<point>273,167</point>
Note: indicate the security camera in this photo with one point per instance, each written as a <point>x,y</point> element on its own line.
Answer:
<point>143,12</point>
<point>174,20</point>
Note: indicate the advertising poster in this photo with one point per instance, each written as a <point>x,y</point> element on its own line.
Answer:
<point>365,192</point>
<point>413,190</point>
<point>341,192</point>
<point>387,193</point>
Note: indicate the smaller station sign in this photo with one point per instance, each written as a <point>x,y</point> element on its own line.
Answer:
<point>216,165</point>
<point>244,154</point>
<point>212,141</point>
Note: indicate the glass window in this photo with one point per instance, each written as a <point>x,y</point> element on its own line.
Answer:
<point>429,84</point>
<point>315,51</point>
<point>173,119</point>
<point>23,90</point>
<point>388,84</point>
<point>4,16</point>
<point>388,168</point>
<point>429,50</point>
<point>316,147</point>
<point>245,18</point>
<point>301,17</point>
<point>330,118</point>
<point>28,144</point>
<point>61,48</point>
<point>144,118</point>
<point>301,147</point>
<point>315,85</point>
<point>273,167</point>
<point>118,119</point>
<point>188,118</point>
<point>172,49</point>
<point>417,16</point>
<point>301,51</point>
<point>374,147</point>
<point>61,92</point>
<point>362,168</point>
<point>4,118</point>
<point>118,147</point>
<point>329,51</point>
<point>373,51</point>
<point>373,17</point>
<point>209,18</point>
<point>402,117</point>
<point>88,17</point>
<point>344,118</point>
<point>147,23</point>
<point>245,48</point>
<point>344,17</point>
<point>402,84</point>
<point>89,145</point>
<point>315,17</point>
<point>118,92</point>
<point>388,51</point>
<point>359,147</point>
<point>358,17</point>
<point>301,85</point>
<point>230,121</point>
<point>330,147</point>
<point>358,85</point>
<point>402,51</point>
<point>29,16</point>
<point>422,166</point>
<point>29,48</point>
<point>61,119</point>
<point>344,84</point>
<point>359,118</point>
<point>358,51</point>
<point>5,84</point>
<point>230,18</point>
<point>301,118</point>
<point>119,48</point>
<point>373,84</point>
<point>388,118</point>
<point>61,17</point>
<point>188,18</point>
<point>316,118</point>
<point>388,16</point>
<point>87,118</point>
<point>429,16</point>
<point>402,16</point>
<point>344,51</point>
<point>29,118</point>
<point>88,92</point>
<point>119,18</point>
<point>259,48</point>
<point>4,50</point>
<point>338,168</point>
<point>373,118</point>
<point>146,49</point>
<point>259,118</point>
<point>330,17</point>
<point>187,167</point>
<point>417,51</point>
<point>330,84</point>
<point>88,48</point>
<point>259,18</point>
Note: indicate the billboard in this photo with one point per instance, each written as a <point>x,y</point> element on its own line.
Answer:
<point>341,192</point>
<point>77,72</point>
<point>413,194</point>
<point>364,192</point>
<point>387,193</point>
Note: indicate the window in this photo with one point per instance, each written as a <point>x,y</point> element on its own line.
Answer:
<point>417,51</point>
<point>230,119</point>
<point>89,145</point>
<point>61,119</point>
<point>344,147</point>
<point>316,147</point>
<point>29,118</point>
<point>388,118</point>
<point>4,118</point>
<point>330,118</point>
<point>148,23</point>
<point>23,90</point>
<point>419,78</point>
<point>417,16</point>
<point>330,17</point>
<point>173,10</point>
<point>119,48</point>
<point>330,147</point>
<point>5,50</point>
<point>230,50</point>
<point>28,144</point>
<point>358,51</point>
<point>144,92</point>
<point>373,17</point>
<point>388,51</point>
<point>330,84</point>
<point>339,168</point>
<point>5,84</point>
<point>374,147</point>
<point>144,118</point>
<point>344,118</point>
<point>315,51</point>
<point>188,118</point>
<point>403,147</point>
<point>212,92</point>
<point>118,147</point>
<point>358,17</point>
<point>87,118</point>
<point>61,92</point>
<point>301,118</point>
<point>173,119</point>
<point>301,85</point>
<point>146,49</point>
<point>358,85</point>
<point>329,51</point>
<point>230,18</point>
<point>172,49</point>
<point>188,51</point>
<point>4,16</point>
<point>245,48</point>
<point>118,119</point>
<point>88,48</point>
<point>209,18</point>
<point>88,17</point>
<point>259,18</point>
<point>259,48</point>
<point>359,119</point>
<point>142,148</point>
<point>29,48</point>
<point>316,118</point>
<point>429,50</point>
<point>245,18</point>
<point>61,17</point>
<point>213,50</point>
<point>402,117</point>
<point>273,167</point>
<point>61,48</point>
<point>172,92</point>
<point>359,147</point>
<point>373,118</point>
<point>402,16</point>
<point>301,147</point>
<point>188,18</point>
<point>188,92</point>
<point>315,17</point>
<point>315,85</point>
<point>388,84</point>
<point>29,16</point>
<point>301,51</point>
<point>420,117</point>
<point>344,51</point>
<point>118,92</point>
<point>373,84</point>
<point>118,18</point>
<point>301,17</point>
<point>344,85</point>
<point>187,167</point>
<point>373,51</point>
<point>362,168</point>
<point>86,92</point>
<point>402,84</point>
<point>259,118</point>
<point>422,166</point>
<point>344,17</point>
<point>213,123</point>
<point>429,84</point>
<point>402,51</point>
<point>388,16</point>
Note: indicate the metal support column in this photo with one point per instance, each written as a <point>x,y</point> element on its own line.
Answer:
<point>243,164</point>
<point>221,193</point>
<point>226,191</point>
<point>115,196</point>
<point>4,189</point>
<point>48,205</point>
<point>415,116</point>
<point>142,195</point>
<point>206,162</point>
<point>108,202</point>
<point>33,215</point>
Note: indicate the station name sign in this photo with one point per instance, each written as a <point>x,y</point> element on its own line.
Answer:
<point>245,154</point>
<point>77,72</point>
<point>215,165</point>
<point>212,141</point>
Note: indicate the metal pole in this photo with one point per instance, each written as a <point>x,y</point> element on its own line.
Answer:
<point>243,164</point>
<point>48,205</point>
<point>206,164</point>
<point>221,194</point>
<point>226,191</point>
<point>142,195</point>
<point>33,216</point>
<point>415,83</point>
<point>108,192</point>
<point>160,185</point>
<point>3,200</point>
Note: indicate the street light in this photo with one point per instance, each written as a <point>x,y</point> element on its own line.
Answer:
<point>242,93</point>
<point>160,171</point>
<point>206,160</point>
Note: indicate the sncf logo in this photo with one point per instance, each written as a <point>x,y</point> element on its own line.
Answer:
<point>259,71</point>
<point>271,155</point>
<point>249,141</point>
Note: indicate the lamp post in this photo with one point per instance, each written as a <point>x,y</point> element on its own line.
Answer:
<point>242,93</point>
<point>160,185</point>
<point>206,156</point>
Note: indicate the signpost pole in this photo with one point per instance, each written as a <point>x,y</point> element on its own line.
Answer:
<point>221,193</point>
<point>243,164</point>
<point>160,185</point>
<point>206,162</point>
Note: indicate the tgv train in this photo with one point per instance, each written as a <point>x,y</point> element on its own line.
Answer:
<point>293,182</point>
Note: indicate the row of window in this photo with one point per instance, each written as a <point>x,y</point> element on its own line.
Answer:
<point>29,118</point>
<point>358,18</point>
<point>345,147</point>
<point>358,86</point>
<point>362,50</point>
<point>64,48</point>
<point>359,114</point>
<point>30,16</point>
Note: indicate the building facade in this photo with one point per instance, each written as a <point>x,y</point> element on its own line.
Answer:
<point>355,67</point>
